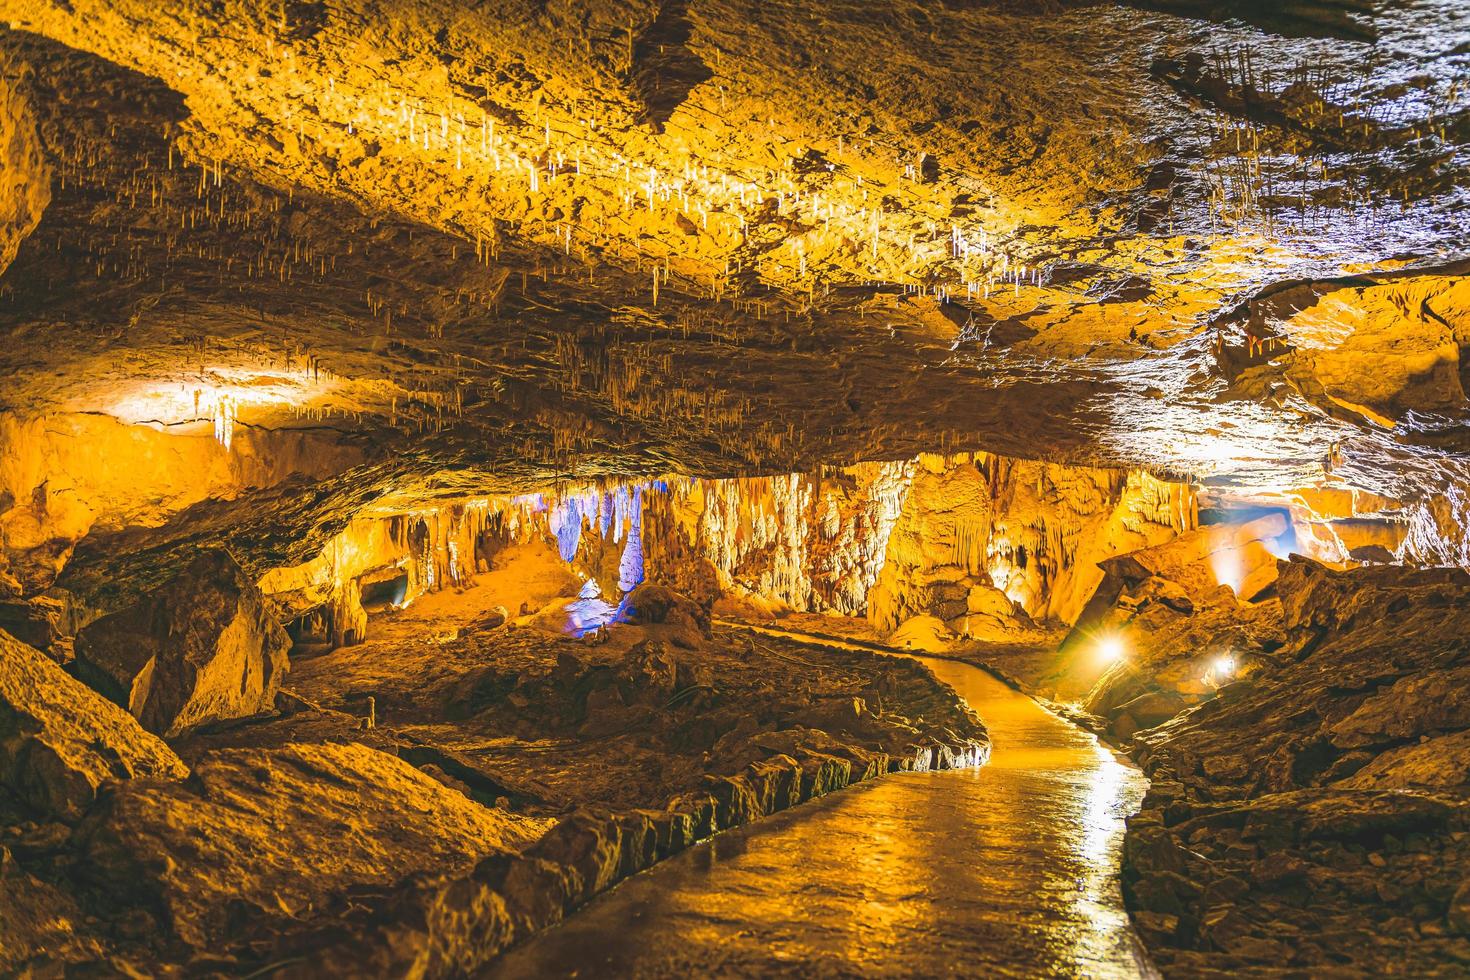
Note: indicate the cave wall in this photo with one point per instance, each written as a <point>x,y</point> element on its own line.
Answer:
<point>25,175</point>
<point>980,532</point>
<point>64,475</point>
<point>809,541</point>
<point>894,540</point>
<point>979,541</point>
<point>976,545</point>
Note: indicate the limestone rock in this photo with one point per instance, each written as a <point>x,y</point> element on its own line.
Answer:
<point>1313,595</point>
<point>26,190</point>
<point>1458,916</point>
<point>1437,764</point>
<point>652,603</point>
<point>927,633</point>
<point>39,929</point>
<point>1148,710</point>
<point>492,618</point>
<point>204,646</point>
<point>837,716</point>
<point>590,844</point>
<point>1175,642</point>
<point>1326,790</point>
<point>431,926</point>
<point>649,673</point>
<point>1411,707</point>
<point>987,600</point>
<point>59,740</point>
<point>349,621</point>
<point>278,832</point>
<point>1223,554</point>
<point>39,622</point>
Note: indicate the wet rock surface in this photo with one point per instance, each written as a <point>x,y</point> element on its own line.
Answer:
<point>1005,870</point>
<point>1312,816</point>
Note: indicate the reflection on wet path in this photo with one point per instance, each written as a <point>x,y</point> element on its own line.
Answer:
<point>1009,870</point>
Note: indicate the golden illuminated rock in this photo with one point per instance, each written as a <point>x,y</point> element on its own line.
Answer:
<point>61,741</point>
<point>586,398</point>
<point>278,833</point>
<point>205,647</point>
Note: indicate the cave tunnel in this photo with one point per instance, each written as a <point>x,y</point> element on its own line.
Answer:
<point>734,488</point>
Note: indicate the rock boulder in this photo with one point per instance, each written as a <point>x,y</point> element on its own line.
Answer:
<point>204,646</point>
<point>652,603</point>
<point>59,739</point>
<point>278,833</point>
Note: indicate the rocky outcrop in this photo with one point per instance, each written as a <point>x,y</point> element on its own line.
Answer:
<point>203,647</point>
<point>293,841</point>
<point>39,930</point>
<point>651,603</point>
<point>1175,622</point>
<point>63,478</point>
<point>25,189</point>
<point>1314,816</point>
<point>643,746</point>
<point>271,836</point>
<point>60,740</point>
<point>1175,650</point>
<point>44,622</point>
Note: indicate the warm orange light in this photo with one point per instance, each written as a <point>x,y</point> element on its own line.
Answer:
<point>1111,649</point>
<point>219,396</point>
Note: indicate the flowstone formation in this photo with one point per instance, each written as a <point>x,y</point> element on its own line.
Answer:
<point>456,456</point>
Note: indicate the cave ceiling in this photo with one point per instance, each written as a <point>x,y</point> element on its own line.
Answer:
<point>519,240</point>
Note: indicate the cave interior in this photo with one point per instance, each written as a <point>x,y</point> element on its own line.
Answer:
<point>456,458</point>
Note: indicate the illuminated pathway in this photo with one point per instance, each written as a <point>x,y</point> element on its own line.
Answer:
<point>1009,870</point>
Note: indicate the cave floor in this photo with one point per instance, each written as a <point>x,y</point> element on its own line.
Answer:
<point>1029,662</point>
<point>1008,870</point>
<point>521,715</point>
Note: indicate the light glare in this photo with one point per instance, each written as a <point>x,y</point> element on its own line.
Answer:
<point>1110,649</point>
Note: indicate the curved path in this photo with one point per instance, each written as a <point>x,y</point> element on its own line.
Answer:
<point>1006,871</point>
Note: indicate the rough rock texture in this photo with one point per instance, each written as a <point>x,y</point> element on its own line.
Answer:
<point>203,647</point>
<point>1172,616</point>
<point>822,542</point>
<point>856,257</point>
<point>1234,554</point>
<point>25,173</point>
<point>368,290</point>
<point>46,622</point>
<point>653,603</point>
<point>1315,815</point>
<point>972,527</point>
<point>1172,657</point>
<point>60,741</point>
<point>40,928</point>
<point>455,924</point>
<point>816,541</point>
<point>63,478</point>
<point>275,834</point>
<point>296,845</point>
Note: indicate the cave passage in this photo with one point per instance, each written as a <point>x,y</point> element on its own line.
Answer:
<point>1007,870</point>
<point>736,487</point>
